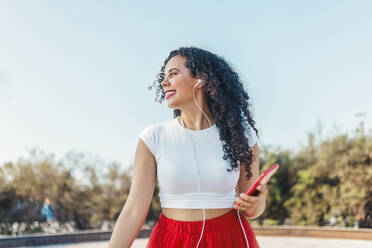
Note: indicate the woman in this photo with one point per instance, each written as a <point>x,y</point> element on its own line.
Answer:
<point>204,160</point>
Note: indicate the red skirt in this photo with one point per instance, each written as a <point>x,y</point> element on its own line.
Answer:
<point>223,231</point>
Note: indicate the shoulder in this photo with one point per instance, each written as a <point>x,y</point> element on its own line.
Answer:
<point>156,128</point>
<point>151,135</point>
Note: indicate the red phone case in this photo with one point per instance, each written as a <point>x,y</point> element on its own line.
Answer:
<point>264,178</point>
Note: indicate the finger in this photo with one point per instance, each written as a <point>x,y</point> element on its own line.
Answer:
<point>262,188</point>
<point>241,202</point>
<point>241,208</point>
<point>244,196</point>
<point>249,198</point>
<point>252,199</point>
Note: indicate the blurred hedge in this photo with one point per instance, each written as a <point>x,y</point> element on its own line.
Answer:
<point>326,182</point>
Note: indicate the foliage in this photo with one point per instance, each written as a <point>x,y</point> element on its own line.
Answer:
<point>24,186</point>
<point>327,182</point>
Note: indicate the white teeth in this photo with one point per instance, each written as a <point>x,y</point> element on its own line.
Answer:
<point>169,92</point>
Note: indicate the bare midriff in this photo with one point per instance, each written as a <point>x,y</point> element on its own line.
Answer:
<point>193,214</point>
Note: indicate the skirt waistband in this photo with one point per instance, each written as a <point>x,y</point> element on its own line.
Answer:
<point>216,224</point>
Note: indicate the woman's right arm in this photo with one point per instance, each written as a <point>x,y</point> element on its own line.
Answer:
<point>135,210</point>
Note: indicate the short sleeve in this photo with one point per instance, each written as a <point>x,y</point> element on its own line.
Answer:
<point>148,136</point>
<point>252,136</point>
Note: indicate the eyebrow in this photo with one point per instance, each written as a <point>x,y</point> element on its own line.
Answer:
<point>173,69</point>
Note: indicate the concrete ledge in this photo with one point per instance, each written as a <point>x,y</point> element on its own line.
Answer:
<point>315,232</point>
<point>88,236</point>
<point>64,238</point>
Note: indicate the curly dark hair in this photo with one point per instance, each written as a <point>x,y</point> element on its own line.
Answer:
<point>225,97</point>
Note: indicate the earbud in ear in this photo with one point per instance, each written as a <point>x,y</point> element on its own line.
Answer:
<point>198,82</point>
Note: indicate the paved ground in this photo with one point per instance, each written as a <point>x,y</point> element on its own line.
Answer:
<point>265,242</point>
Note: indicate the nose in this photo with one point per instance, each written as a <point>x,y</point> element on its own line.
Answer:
<point>165,81</point>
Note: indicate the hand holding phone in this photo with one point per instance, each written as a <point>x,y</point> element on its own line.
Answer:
<point>264,178</point>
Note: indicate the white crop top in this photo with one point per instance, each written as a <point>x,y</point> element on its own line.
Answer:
<point>177,165</point>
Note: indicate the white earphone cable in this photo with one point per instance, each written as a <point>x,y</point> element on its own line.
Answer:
<point>241,224</point>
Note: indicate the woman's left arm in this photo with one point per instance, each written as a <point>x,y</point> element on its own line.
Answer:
<point>251,206</point>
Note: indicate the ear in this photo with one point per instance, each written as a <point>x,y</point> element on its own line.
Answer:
<point>203,77</point>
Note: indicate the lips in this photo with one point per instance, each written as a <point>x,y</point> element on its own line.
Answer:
<point>169,93</point>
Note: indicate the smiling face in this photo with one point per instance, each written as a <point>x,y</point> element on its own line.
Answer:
<point>179,80</point>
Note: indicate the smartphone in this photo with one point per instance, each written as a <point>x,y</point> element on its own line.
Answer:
<point>264,178</point>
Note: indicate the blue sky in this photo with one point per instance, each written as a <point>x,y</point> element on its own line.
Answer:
<point>74,74</point>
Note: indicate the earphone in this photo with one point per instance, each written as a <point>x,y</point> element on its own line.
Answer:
<point>197,174</point>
